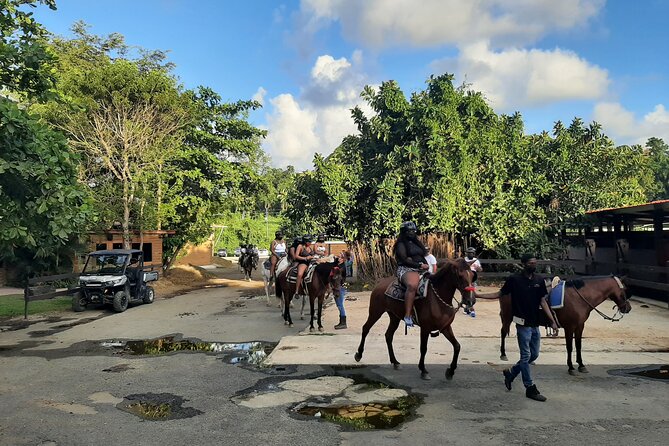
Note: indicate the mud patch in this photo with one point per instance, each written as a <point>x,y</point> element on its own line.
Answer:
<point>157,406</point>
<point>353,401</point>
<point>653,372</point>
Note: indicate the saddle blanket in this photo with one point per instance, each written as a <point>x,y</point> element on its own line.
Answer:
<point>556,295</point>
<point>308,274</point>
<point>396,289</point>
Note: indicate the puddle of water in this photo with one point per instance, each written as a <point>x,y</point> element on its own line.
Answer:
<point>157,407</point>
<point>366,416</point>
<point>655,372</point>
<point>235,353</point>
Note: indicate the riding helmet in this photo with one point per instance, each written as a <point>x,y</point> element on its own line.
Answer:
<point>307,238</point>
<point>408,226</point>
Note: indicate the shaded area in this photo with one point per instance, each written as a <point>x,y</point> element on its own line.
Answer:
<point>157,406</point>
<point>654,372</point>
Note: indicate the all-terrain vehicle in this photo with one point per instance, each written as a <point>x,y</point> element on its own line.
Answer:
<point>115,277</point>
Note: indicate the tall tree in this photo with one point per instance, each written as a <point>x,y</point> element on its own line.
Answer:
<point>658,151</point>
<point>42,207</point>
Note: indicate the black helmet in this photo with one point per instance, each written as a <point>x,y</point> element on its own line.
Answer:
<point>321,238</point>
<point>471,249</point>
<point>408,226</point>
<point>307,238</point>
<point>278,234</point>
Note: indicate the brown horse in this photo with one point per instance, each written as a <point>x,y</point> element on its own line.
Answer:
<point>434,313</point>
<point>581,296</point>
<point>326,274</point>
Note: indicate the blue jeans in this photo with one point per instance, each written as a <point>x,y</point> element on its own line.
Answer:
<point>340,301</point>
<point>529,341</point>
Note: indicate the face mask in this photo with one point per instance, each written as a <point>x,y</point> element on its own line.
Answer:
<point>530,269</point>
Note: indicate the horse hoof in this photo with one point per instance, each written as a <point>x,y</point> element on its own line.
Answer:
<point>357,357</point>
<point>396,365</point>
<point>311,329</point>
<point>503,358</point>
<point>425,376</point>
<point>285,322</point>
<point>301,318</point>
<point>320,328</point>
<point>290,325</point>
<point>572,372</point>
<point>449,374</point>
<point>583,369</point>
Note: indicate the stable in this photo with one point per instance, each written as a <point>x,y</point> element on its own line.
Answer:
<point>631,241</point>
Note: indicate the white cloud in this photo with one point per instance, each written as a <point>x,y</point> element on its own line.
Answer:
<point>260,95</point>
<point>319,118</point>
<point>625,128</point>
<point>519,77</point>
<point>382,23</point>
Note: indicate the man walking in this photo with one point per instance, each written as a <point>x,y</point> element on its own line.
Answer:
<point>528,293</point>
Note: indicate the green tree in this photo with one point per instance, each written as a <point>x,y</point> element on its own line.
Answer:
<point>42,207</point>
<point>658,152</point>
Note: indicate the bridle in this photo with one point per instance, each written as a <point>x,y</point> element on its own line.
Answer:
<point>615,317</point>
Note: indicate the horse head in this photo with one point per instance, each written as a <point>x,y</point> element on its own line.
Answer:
<point>621,295</point>
<point>330,273</point>
<point>456,274</point>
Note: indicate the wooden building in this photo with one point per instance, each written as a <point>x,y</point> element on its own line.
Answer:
<point>152,245</point>
<point>631,241</point>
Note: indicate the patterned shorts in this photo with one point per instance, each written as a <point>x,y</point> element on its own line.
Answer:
<point>402,270</point>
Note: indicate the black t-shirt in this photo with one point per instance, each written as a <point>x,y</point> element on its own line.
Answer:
<point>526,294</point>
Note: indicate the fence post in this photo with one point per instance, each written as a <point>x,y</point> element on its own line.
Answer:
<point>26,292</point>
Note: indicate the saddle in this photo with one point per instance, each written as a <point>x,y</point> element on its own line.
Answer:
<point>396,289</point>
<point>291,276</point>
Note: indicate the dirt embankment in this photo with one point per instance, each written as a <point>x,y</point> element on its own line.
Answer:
<point>183,278</point>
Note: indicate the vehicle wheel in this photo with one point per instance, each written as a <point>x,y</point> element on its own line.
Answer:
<point>120,301</point>
<point>149,295</point>
<point>79,302</point>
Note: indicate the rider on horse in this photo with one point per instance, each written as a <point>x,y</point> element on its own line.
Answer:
<point>320,247</point>
<point>410,256</point>
<point>277,250</point>
<point>304,254</point>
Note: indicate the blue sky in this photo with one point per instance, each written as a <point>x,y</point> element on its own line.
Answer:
<point>307,60</point>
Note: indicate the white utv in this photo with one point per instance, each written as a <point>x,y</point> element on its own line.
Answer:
<point>114,277</point>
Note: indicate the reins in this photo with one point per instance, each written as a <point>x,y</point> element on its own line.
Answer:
<point>605,316</point>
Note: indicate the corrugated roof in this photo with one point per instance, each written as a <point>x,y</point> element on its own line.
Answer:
<point>634,208</point>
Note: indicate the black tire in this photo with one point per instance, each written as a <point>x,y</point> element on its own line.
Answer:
<point>149,295</point>
<point>79,302</point>
<point>120,301</point>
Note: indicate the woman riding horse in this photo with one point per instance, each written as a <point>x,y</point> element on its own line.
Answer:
<point>410,255</point>
<point>277,250</point>
<point>304,254</point>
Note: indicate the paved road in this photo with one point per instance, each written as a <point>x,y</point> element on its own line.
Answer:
<point>55,390</point>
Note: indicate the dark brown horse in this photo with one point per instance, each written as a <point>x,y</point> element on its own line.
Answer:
<point>434,313</point>
<point>581,296</point>
<point>326,274</point>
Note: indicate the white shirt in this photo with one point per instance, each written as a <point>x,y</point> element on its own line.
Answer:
<point>432,263</point>
<point>280,248</point>
<point>474,264</point>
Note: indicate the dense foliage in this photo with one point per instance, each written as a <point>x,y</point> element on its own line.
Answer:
<point>446,160</point>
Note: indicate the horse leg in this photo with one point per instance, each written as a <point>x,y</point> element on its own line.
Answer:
<point>390,333</point>
<point>320,312</point>
<point>568,337</point>
<point>286,313</point>
<point>579,359</point>
<point>448,332</point>
<point>311,312</point>
<point>502,350</point>
<point>424,335</point>
<point>374,315</point>
<point>304,302</point>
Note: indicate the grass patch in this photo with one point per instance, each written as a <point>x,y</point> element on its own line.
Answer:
<point>13,305</point>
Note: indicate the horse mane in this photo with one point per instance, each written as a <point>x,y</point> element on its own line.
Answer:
<point>580,283</point>
<point>448,268</point>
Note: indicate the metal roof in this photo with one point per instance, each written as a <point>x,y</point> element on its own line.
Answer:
<point>638,210</point>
